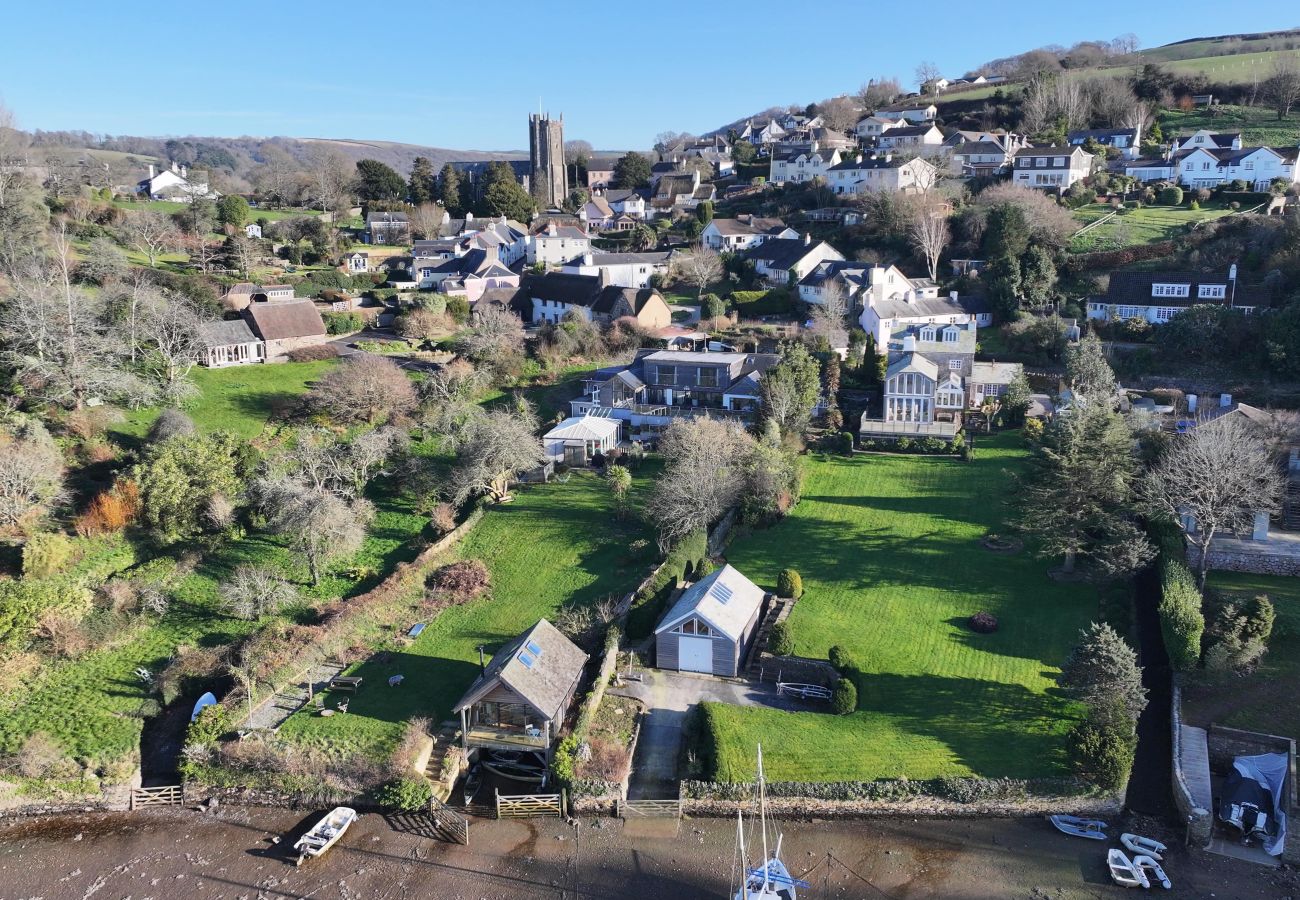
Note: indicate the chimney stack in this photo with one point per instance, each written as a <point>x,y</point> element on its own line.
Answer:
<point>152,172</point>
<point>807,239</point>
<point>588,259</point>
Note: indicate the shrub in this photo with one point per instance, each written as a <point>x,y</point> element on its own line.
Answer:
<point>343,322</point>
<point>315,353</point>
<point>840,660</point>
<point>1195,204</point>
<point>254,591</point>
<point>1102,749</point>
<point>983,622</point>
<point>460,581</point>
<point>405,794</point>
<point>789,584</point>
<point>45,554</point>
<point>41,757</point>
<point>170,422</point>
<point>844,699</point>
<point>903,445</point>
<point>1181,619</point>
<point>780,642</point>
<point>110,511</point>
<point>1170,196</point>
<point>1237,635</point>
<point>443,518</point>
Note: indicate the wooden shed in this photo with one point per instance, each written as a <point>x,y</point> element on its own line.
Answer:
<point>711,625</point>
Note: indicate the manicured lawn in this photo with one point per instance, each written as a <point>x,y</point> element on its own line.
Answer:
<point>1257,124</point>
<point>239,399</point>
<point>554,544</point>
<point>1140,226</point>
<point>888,547</point>
<point>1265,699</point>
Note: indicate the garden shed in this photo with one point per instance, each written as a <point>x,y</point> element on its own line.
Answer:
<point>711,625</point>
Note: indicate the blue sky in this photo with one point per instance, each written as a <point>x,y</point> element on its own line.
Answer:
<point>465,75</point>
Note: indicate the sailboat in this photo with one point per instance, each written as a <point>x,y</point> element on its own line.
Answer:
<point>771,880</point>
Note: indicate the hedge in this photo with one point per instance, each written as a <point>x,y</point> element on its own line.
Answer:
<point>775,302</point>
<point>1181,621</point>
<point>1113,259</point>
<point>651,599</point>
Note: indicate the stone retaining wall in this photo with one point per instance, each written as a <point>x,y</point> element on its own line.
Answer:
<point>1255,563</point>
<point>1200,822</point>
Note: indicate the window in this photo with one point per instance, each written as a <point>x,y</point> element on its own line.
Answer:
<point>927,334</point>
<point>954,365</point>
<point>666,375</point>
<point>708,377</point>
<point>1165,313</point>
<point>1042,162</point>
<point>950,335</point>
<point>1171,290</point>
<point>1212,291</point>
<point>1129,312</point>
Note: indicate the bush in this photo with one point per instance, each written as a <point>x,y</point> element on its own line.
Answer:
<point>840,660</point>
<point>170,422</point>
<point>1102,750</point>
<point>343,322</point>
<point>405,794</point>
<point>314,353</point>
<point>780,642</point>
<point>844,699</point>
<point>983,622</point>
<point>1237,634</point>
<point>1195,204</point>
<point>680,562</point>
<point>460,581</point>
<point>1181,619</point>
<point>45,554</point>
<point>1170,196</point>
<point>789,584</point>
<point>110,511</point>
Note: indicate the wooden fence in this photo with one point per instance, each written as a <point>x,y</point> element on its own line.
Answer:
<point>626,809</point>
<point>170,795</point>
<point>528,806</point>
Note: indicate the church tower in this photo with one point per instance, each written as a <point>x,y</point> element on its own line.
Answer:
<point>548,176</point>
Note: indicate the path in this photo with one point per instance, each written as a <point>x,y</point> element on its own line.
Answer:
<point>1150,785</point>
<point>271,714</point>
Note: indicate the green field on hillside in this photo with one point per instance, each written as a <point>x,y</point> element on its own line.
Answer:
<point>1146,225</point>
<point>1257,124</point>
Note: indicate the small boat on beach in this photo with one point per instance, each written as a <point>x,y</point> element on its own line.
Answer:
<point>1135,843</point>
<point>1154,873</point>
<point>473,784</point>
<point>1095,829</point>
<point>529,767</point>
<point>1123,872</point>
<point>325,833</point>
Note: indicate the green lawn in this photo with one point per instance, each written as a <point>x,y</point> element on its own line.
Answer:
<point>1257,124</point>
<point>1265,699</point>
<point>239,399</point>
<point>554,544</point>
<point>889,550</point>
<point>1146,225</point>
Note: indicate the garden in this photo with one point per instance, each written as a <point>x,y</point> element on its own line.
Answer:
<point>893,566</point>
<point>1143,225</point>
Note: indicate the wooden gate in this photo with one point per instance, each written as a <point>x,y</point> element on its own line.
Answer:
<point>449,823</point>
<point>171,795</point>
<point>627,809</point>
<point>527,806</point>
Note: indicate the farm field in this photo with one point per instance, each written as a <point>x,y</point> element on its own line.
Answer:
<point>555,544</point>
<point>1257,124</point>
<point>1146,225</point>
<point>892,565</point>
<point>1263,700</point>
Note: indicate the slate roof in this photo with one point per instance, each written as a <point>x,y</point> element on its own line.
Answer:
<point>1224,140</point>
<point>898,308</point>
<point>654,258</point>
<point>995,372</point>
<point>1134,289</point>
<point>545,681</point>
<point>725,599</point>
<point>750,225</point>
<point>1101,135</point>
<point>1049,151</point>
<point>567,288</point>
<point>906,131</point>
<point>781,253</point>
<point>979,148</point>
<point>277,321</point>
<point>386,218</point>
<point>870,162</point>
<point>224,334</point>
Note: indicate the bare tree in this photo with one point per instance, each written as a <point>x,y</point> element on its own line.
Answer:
<point>704,477</point>
<point>493,448</point>
<point>448,397</point>
<point>364,388</point>
<point>1125,44</point>
<point>495,334</point>
<point>152,233</point>
<point>701,266</point>
<point>172,328</point>
<point>839,113</point>
<point>13,154</point>
<point>427,220</point>
<point>928,232</point>
<point>927,74</point>
<point>320,525</point>
<point>241,253</point>
<point>1282,88</point>
<point>31,474</point>
<point>254,591</point>
<point>879,92</point>
<point>329,179</point>
<point>279,174</point>
<point>1219,476</point>
<point>830,316</point>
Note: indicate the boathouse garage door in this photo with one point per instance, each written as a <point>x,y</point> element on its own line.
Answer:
<point>695,654</point>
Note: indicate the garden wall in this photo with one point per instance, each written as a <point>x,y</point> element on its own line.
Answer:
<point>1257,562</point>
<point>1200,821</point>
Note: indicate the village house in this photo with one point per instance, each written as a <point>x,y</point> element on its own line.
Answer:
<point>557,243</point>
<point>761,132</point>
<point>778,260</point>
<point>662,385</point>
<point>231,344</point>
<point>631,270</point>
<point>392,228</point>
<point>286,326</point>
<point>889,300</point>
<point>519,700</point>
<point>680,192</point>
<point>253,231</point>
<point>744,231</point>
<point>881,172</point>
<point>1156,297</point>
<point>579,439</point>
<point>917,140</point>
<point>357,262</point>
<point>1210,140</point>
<point>1259,167</point>
<point>1051,168</point>
<point>553,295</point>
<point>800,163</point>
<point>979,159</point>
<point>711,626</point>
<point>870,129</point>
<point>600,173</point>
<point>916,115</point>
<point>1125,140</point>
<point>475,273</point>
<point>175,183</point>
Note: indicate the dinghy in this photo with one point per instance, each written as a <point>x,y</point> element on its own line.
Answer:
<point>1151,869</point>
<point>204,702</point>
<point>1135,843</point>
<point>525,767</point>
<point>325,833</point>
<point>1084,828</point>
<point>1124,872</point>
<point>473,784</point>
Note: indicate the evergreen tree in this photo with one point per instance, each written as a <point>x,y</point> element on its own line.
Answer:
<point>632,171</point>
<point>1037,277</point>
<point>1006,234</point>
<point>451,191</point>
<point>423,185</point>
<point>1103,670</point>
<point>377,181</point>
<point>232,210</point>
<point>1088,373</point>
<point>1004,287</point>
<point>704,212</point>
<point>790,389</point>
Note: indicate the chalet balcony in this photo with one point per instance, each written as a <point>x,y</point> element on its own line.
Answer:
<point>882,428</point>
<point>506,737</point>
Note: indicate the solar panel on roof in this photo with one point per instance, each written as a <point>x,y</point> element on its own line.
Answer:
<point>722,592</point>
<point>526,660</point>
<point>533,648</point>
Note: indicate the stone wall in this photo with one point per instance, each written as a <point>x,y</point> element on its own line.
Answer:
<point>1260,562</point>
<point>798,669</point>
<point>1200,822</point>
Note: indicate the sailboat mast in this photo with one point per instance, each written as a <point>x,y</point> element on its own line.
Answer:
<point>744,863</point>
<point>762,813</point>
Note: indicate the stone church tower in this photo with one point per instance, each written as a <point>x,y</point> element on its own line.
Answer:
<point>549,177</point>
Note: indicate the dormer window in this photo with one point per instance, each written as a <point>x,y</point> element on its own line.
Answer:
<point>927,334</point>
<point>950,336</point>
<point>1212,292</point>
<point>1170,290</point>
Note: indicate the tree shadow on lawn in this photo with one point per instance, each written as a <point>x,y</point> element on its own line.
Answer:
<point>264,405</point>
<point>994,729</point>
<point>962,509</point>
<point>430,686</point>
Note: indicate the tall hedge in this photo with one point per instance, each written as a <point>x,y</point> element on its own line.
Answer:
<point>683,561</point>
<point>1181,620</point>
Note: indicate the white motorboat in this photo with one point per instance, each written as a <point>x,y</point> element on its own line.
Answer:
<point>1152,870</point>
<point>771,880</point>
<point>325,833</point>
<point>1124,872</point>
<point>1135,843</point>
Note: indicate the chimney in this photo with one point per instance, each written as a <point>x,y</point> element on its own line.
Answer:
<point>909,343</point>
<point>952,295</point>
<point>908,296</point>
<point>469,217</point>
<point>603,278</point>
<point>482,664</point>
<point>175,168</point>
<point>152,172</point>
<point>807,239</point>
<point>550,229</point>
<point>588,259</point>
<point>185,172</point>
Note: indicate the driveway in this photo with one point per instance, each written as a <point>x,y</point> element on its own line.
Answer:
<point>669,697</point>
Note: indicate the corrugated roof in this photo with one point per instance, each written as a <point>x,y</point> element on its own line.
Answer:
<point>583,428</point>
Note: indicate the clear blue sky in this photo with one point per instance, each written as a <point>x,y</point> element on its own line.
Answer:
<point>465,75</point>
